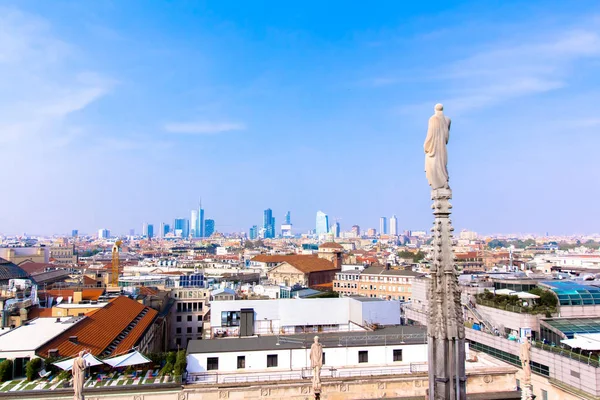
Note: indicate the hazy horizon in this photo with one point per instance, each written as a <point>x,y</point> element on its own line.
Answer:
<point>113,114</point>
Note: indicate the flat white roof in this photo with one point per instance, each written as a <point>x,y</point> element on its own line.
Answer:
<point>82,305</point>
<point>36,333</point>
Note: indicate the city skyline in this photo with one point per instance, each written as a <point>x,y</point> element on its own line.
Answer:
<point>106,92</point>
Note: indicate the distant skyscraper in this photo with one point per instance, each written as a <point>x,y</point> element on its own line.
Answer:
<point>372,232</point>
<point>74,233</point>
<point>182,227</point>
<point>194,227</point>
<point>356,230</point>
<point>269,224</point>
<point>288,219</point>
<point>394,225</point>
<point>335,230</point>
<point>103,234</point>
<point>150,231</point>
<point>322,223</point>
<point>253,232</point>
<point>165,228</point>
<point>383,226</point>
<point>145,229</point>
<point>209,227</point>
<point>201,224</point>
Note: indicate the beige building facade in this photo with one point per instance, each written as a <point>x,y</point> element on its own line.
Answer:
<point>377,282</point>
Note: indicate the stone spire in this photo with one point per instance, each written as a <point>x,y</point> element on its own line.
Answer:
<point>445,325</point>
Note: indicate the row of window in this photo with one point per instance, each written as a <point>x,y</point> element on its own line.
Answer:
<point>212,363</point>
<point>189,307</point>
<point>365,278</point>
<point>510,358</point>
<point>188,330</point>
<point>189,318</point>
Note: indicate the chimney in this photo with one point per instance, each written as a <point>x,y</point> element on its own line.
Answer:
<point>53,353</point>
<point>73,339</point>
<point>337,260</point>
<point>58,320</point>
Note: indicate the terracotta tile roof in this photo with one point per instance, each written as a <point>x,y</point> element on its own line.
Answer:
<point>35,267</point>
<point>88,281</point>
<point>278,258</point>
<point>88,293</point>
<point>100,328</point>
<point>148,291</point>
<point>309,263</point>
<point>324,287</point>
<point>37,312</point>
<point>331,245</point>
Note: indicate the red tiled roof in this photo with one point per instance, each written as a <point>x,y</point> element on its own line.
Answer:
<point>309,263</point>
<point>88,281</point>
<point>331,245</point>
<point>87,294</point>
<point>278,258</point>
<point>37,312</point>
<point>101,327</point>
<point>145,290</point>
<point>35,267</point>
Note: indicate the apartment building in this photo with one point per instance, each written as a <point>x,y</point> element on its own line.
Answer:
<point>376,282</point>
<point>188,315</point>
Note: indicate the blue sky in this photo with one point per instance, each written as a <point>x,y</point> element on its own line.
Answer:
<point>114,113</point>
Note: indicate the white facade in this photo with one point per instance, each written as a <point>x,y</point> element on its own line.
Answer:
<point>288,316</point>
<point>394,225</point>
<point>299,358</point>
<point>194,224</point>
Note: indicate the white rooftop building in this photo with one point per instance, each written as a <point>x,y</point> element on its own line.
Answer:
<point>22,342</point>
<point>290,316</point>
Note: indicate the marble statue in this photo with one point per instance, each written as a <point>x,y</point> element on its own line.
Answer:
<point>445,320</point>
<point>79,365</point>
<point>436,155</point>
<point>316,362</point>
<point>525,354</point>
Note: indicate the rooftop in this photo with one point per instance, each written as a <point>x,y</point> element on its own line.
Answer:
<point>391,335</point>
<point>331,245</point>
<point>35,334</point>
<point>571,326</point>
<point>9,270</point>
<point>101,327</point>
<point>574,293</point>
<point>395,272</point>
<point>305,263</point>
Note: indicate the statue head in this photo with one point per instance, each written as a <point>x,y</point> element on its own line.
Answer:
<point>316,339</point>
<point>82,353</point>
<point>438,107</point>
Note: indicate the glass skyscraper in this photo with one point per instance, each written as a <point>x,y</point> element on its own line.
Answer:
<point>383,227</point>
<point>322,226</point>
<point>288,219</point>
<point>209,227</point>
<point>182,226</point>
<point>253,232</point>
<point>194,227</point>
<point>269,223</point>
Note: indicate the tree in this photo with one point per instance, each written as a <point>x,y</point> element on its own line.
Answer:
<point>180,363</point>
<point>6,368</point>
<point>32,368</point>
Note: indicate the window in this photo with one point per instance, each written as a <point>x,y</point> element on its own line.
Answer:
<point>398,355</point>
<point>199,317</point>
<point>178,342</point>
<point>230,318</point>
<point>271,360</point>
<point>518,384</point>
<point>363,356</point>
<point>544,395</point>
<point>178,330</point>
<point>199,329</point>
<point>179,318</point>
<point>212,363</point>
<point>241,363</point>
<point>189,318</point>
<point>189,329</point>
<point>323,358</point>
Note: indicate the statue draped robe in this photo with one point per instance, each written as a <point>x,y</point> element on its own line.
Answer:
<point>316,362</point>
<point>436,154</point>
<point>78,377</point>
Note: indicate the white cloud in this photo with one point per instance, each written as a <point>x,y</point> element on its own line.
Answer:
<point>203,128</point>
<point>40,89</point>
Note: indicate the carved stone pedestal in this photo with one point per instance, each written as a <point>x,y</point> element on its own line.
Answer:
<point>527,392</point>
<point>445,328</point>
